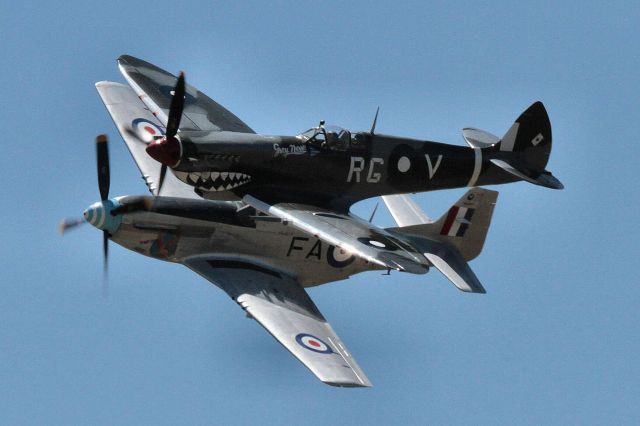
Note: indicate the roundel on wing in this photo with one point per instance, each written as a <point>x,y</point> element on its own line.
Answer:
<point>146,130</point>
<point>313,343</point>
<point>405,165</point>
<point>379,241</point>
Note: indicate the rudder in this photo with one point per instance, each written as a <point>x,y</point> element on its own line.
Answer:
<point>530,137</point>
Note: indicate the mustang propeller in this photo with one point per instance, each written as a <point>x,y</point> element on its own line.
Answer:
<point>102,159</point>
<point>167,150</point>
<point>104,182</point>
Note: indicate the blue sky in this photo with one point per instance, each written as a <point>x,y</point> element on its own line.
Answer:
<point>553,341</point>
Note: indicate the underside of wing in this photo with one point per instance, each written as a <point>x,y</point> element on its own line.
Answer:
<point>349,233</point>
<point>138,128</point>
<point>278,303</point>
<point>154,86</point>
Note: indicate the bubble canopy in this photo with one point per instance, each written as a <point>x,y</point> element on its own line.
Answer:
<point>330,136</point>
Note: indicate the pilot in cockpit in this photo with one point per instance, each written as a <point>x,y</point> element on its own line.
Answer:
<point>328,137</point>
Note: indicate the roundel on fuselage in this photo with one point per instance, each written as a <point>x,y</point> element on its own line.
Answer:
<point>405,165</point>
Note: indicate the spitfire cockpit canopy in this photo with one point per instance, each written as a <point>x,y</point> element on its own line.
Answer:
<point>332,137</point>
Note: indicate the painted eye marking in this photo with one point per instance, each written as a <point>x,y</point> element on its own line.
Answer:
<point>313,343</point>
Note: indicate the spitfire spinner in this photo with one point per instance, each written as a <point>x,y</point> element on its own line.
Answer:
<point>263,217</point>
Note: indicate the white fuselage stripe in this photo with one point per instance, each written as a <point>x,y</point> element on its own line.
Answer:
<point>476,167</point>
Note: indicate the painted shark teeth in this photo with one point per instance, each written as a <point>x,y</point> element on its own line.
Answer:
<point>214,181</point>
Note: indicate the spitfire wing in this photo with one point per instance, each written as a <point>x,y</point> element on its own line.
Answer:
<point>404,210</point>
<point>349,233</point>
<point>285,310</point>
<point>138,127</point>
<point>154,86</point>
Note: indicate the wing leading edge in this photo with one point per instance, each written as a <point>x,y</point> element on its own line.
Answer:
<point>138,127</point>
<point>278,303</point>
<point>349,233</point>
<point>154,86</point>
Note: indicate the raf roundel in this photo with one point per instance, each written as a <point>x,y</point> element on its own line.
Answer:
<point>146,130</point>
<point>312,343</point>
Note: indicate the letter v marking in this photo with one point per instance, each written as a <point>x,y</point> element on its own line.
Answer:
<point>433,169</point>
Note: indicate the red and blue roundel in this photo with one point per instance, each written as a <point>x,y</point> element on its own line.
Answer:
<point>312,343</point>
<point>146,130</point>
<point>339,258</point>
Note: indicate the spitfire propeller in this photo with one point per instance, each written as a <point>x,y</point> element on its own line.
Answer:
<point>167,150</point>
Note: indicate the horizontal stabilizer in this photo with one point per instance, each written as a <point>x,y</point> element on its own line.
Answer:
<point>477,138</point>
<point>543,178</point>
<point>448,260</point>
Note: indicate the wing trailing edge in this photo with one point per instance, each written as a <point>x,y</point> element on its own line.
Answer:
<point>279,304</point>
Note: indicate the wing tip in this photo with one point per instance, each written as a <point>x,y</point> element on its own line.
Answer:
<point>338,384</point>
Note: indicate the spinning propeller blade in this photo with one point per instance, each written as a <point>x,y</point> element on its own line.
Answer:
<point>102,151</point>
<point>163,173</point>
<point>167,150</point>
<point>104,182</point>
<point>105,250</point>
<point>69,224</point>
<point>177,105</point>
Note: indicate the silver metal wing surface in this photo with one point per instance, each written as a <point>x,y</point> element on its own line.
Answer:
<point>349,233</point>
<point>278,303</point>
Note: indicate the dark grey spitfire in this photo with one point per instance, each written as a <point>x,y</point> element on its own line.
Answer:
<point>331,167</point>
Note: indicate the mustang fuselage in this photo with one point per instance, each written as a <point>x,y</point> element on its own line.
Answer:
<point>173,229</point>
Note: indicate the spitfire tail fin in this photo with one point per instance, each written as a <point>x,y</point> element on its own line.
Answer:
<point>530,136</point>
<point>525,148</point>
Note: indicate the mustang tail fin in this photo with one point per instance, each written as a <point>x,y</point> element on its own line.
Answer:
<point>464,226</point>
<point>455,238</point>
<point>525,148</point>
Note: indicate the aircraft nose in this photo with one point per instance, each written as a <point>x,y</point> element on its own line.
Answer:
<point>99,215</point>
<point>94,214</point>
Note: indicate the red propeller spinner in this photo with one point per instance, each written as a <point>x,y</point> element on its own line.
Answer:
<point>166,150</point>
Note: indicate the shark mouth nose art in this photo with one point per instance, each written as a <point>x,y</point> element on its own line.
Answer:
<point>216,181</point>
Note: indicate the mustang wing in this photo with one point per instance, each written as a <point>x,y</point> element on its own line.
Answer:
<point>286,311</point>
<point>348,233</point>
<point>154,86</point>
<point>138,126</point>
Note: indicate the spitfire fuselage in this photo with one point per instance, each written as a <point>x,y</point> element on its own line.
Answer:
<point>292,169</point>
